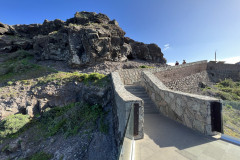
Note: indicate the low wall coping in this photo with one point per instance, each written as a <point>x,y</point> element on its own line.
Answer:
<point>120,89</point>
<point>161,86</point>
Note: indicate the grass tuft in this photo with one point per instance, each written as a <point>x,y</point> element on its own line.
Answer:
<point>145,66</point>
<point>12,125</point>
<point>97,79</point>
<point>40,156</point>
<point>227,90</point>
<point>67,120</point>
<point>19,66</point>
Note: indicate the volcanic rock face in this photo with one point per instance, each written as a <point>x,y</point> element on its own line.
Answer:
<point>87,38</point>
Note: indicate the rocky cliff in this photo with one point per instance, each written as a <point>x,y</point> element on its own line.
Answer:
<point>87,38</point>
<point>48,109</point>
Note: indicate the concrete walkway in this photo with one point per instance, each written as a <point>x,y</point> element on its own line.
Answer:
<point>168,140</point>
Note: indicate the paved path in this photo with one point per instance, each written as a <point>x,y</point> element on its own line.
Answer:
<point>168,140</point>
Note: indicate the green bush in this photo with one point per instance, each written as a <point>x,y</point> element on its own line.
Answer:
<point>228,90</point>
<point>234,104</point>
<point>92,78</point>
<point>229,107</point>
<point>13,124</point>
<point>40,156</point>
<point>9,83</point>
<point>19,66</point>
<point>224,96</point>
<point>145,66</point>
<point>236,91</point>
<point>70,119</point>
<point>227,83</point>
<point>67,120</point>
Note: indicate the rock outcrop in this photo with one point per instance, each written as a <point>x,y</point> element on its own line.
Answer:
<point>33,100</point>
<point>87,38</point>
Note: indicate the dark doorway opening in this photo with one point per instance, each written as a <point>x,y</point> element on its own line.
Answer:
<point>216,117</point>
<point>136,118</point>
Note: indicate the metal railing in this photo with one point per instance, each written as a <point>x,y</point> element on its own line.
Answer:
<point>231,121</point>
<point>127,148</point>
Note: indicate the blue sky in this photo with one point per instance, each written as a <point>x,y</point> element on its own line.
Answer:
<point>184,29</point>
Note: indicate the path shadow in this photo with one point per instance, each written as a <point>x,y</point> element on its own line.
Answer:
<point>168,133</point>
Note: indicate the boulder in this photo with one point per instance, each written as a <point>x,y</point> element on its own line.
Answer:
<point>12,43</point>
<point>6,29</point>
<point>149,52</point>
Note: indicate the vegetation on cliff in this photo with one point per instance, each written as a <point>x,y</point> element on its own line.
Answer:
<point>43,109</point>
<point>70,120</point>
<point>229,91</point>
<point>20,66</point>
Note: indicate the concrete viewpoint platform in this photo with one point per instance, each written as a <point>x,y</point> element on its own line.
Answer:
<point>165,139</point>
<point>168,140</point>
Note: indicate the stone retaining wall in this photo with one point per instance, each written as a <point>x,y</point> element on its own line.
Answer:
<point>220,71</point>
<point>216,71</point>
<point>133,76</point>
<point>178,72</point>
<point>191,110</point>
<point>124,101</point>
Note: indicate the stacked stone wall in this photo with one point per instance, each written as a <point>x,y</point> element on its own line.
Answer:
<point>191,110</point>
<point>181,71</point>
<point>124,102</point>
<point>133,76</point>
<point>220,71</point>
<point>130,76</point>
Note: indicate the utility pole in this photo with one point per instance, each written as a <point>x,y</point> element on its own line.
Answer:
<point>215,56</point>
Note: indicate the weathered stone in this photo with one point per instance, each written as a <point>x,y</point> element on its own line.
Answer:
<point>179,101</point>
<point>162,103</point>
<point>139,50</point>
<point>172,105</point>
<point>29,110</point>
<point>196,107</point>
<point>179,110</point>
<point>190,103</point>
<point>172,114</point>
<point>162,94</point>
<point>203,110</point>
<point>153,96</point>
<point>171,95</point>
<point>13,146</point>
<point>187,121</point>
<point>158,98</point>
<point>200,118</point>
<point>167,99</point>
<point>199,126</point>
<point>209,121</point>
<point>189,112</point>
<point>163,110</point>
<point>208,129</point>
